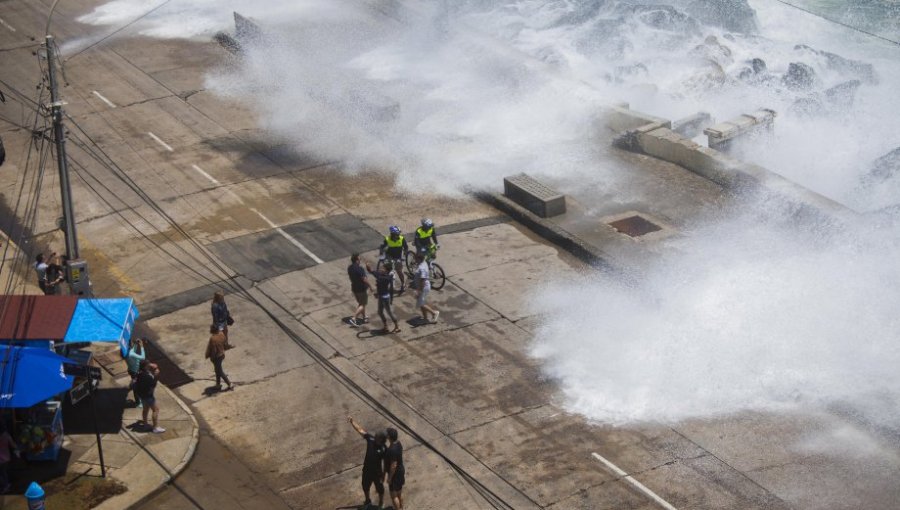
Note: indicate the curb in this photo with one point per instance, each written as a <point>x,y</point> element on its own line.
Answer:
<point>195,437</point>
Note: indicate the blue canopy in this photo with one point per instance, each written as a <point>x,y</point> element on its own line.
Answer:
<point>30,375</point>
<point>103,320</point>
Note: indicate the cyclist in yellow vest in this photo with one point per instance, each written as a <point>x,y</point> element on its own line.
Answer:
<point>394,249</point>
<point>426,240</point>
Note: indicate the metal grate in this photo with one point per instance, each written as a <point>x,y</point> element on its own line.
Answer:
<point>635,226</point>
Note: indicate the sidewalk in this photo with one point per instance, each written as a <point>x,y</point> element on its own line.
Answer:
<point>141,462</point>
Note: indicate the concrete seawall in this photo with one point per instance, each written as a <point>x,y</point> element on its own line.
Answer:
<point>652,136</point>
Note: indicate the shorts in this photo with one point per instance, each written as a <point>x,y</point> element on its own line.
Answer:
<point>420,301</point>
<point>397,482</point>
<point>362,298</point>
<point>373,478</point>
<point>147,401</point>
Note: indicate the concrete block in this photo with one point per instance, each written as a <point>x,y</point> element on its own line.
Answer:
<point>534,196</point>
<point>621,119</point>
<point>721,135</point>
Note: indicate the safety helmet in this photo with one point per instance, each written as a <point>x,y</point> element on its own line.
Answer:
<point>427,223</point>
<point>394,229</point>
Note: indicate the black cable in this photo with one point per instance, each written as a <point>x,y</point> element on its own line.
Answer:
<point>841,23</point>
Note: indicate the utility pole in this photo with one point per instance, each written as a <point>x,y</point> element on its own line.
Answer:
<point>76,270</point>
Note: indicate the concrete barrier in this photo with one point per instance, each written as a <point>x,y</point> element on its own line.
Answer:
<point>722,135</point>
<point>534,196</point>
<point>656,139</point>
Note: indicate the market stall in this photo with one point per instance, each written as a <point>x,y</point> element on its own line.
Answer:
<point>58,326</point>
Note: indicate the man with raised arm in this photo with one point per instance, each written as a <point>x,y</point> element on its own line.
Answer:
<point>371,472</point>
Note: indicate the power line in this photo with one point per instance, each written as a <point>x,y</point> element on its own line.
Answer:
<point>114,32</point>
<point>841,23</point>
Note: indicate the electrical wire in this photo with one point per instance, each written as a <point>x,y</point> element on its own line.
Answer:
<point>837,22</point>
<point>96,152</point>
<point>114,32</point>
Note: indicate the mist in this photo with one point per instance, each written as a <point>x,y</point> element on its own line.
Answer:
<point>747,311</point>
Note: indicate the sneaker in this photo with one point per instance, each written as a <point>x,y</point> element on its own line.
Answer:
<point>158,430</point>
<point>434,320</point>
<point>353,322</point>
<point>365,320</point>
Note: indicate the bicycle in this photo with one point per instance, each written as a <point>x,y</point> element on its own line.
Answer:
<point>436,272</point>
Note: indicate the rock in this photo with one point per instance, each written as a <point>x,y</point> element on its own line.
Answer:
<point>756,69</point>
<point>807,107</point>
<point>631,72</point>
<point>841,96</point>
<point>733,15</point>
<point>712,50</point>
<point>799,76</point>
<point>861,70</point>
<point>660,17</point>
<point>885,167</point>
<point>709,76</point>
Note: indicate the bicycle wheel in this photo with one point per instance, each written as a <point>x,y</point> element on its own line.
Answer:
<point>410,262</point>
<point>438,279</point>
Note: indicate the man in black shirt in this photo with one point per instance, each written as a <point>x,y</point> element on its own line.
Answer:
<point>360,286</point>
<point>393,466</point>
<point>372,473</point>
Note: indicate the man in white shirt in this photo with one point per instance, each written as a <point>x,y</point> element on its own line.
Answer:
<point>423,287</point>
<point>40,267</point>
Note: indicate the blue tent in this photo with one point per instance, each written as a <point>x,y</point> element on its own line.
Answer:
<point>30,375</point>
<point>103,320</point>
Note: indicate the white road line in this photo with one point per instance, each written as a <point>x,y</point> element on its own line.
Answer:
<point>107,101</point>
<point>7,25</point>
<point>652,495</point>
<point>159,141</point>
<point>289,238</point>
<point>204,174</point>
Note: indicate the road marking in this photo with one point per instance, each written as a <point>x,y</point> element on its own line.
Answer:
<point>7,25</point>
<point>625,476</point>
<point>289,238</point>
<point>204,174</point>
<point>159,141</point>
<point>107,101</point>
<point>272,224</point>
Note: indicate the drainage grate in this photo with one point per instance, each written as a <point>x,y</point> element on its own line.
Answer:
<point>635,226</point>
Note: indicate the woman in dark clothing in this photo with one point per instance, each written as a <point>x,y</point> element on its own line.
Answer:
<point>384,291</point>
<point>215,352</point>
<point>220,315</point>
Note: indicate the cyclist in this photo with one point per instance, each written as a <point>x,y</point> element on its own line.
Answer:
<point>426,240</point>
<point>394,249</point>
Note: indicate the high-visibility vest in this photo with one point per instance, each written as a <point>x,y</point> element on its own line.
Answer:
<point>424,234</point>
<point>394,244</point>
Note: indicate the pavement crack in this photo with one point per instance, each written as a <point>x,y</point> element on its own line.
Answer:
<point>148,100</point>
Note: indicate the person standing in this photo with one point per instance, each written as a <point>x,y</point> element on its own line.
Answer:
<point>221,317</point>
<point>372,472</point>
<point>40,267</point>
<point>215,352</point>
<point>55,275</point>
<point>8,448</point>
<point>423,287</point>
<point>395,472</point>
<point>361,287</point>
<point>144,386</point>
<point>384,293</point>
<point>136,354</point>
